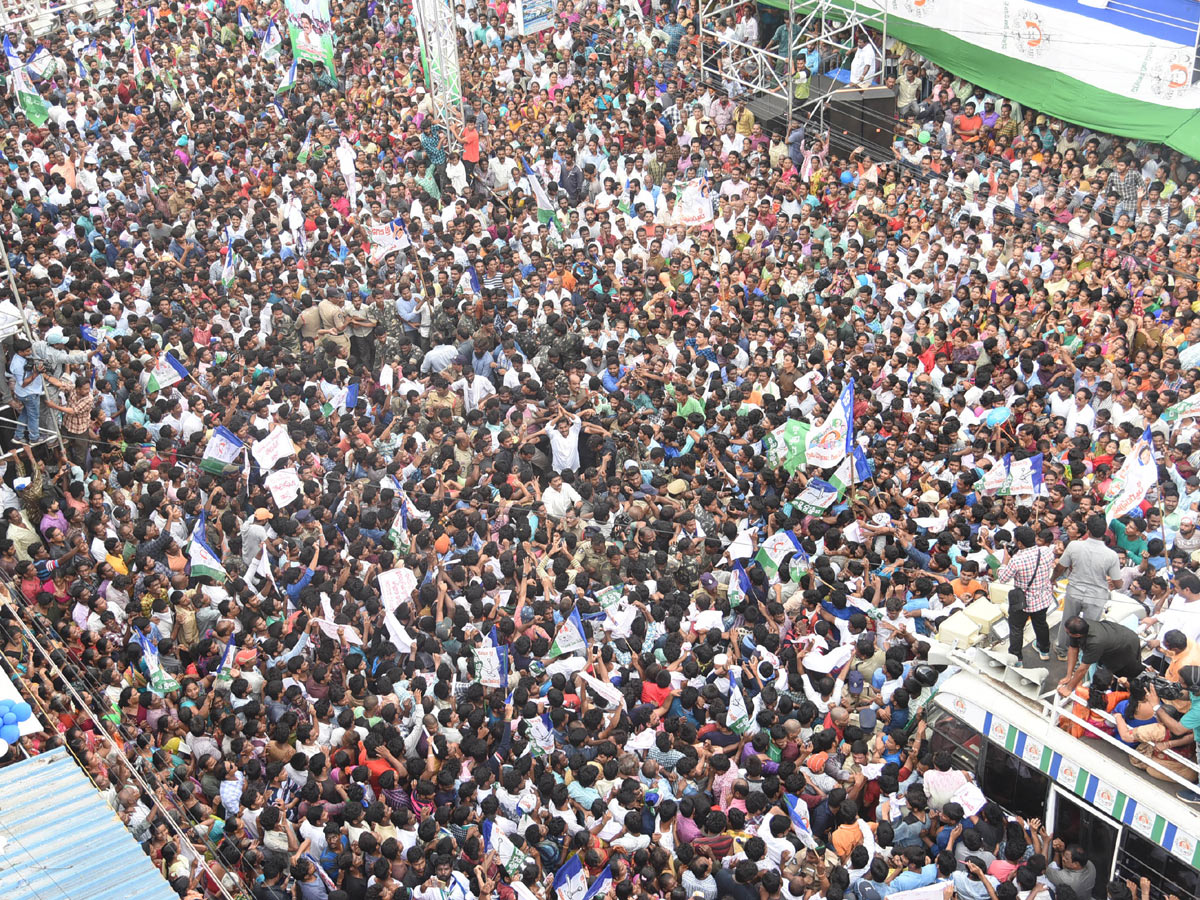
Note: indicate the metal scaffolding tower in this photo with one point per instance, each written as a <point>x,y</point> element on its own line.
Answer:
<point>439,43</point>
<point>823,31</point>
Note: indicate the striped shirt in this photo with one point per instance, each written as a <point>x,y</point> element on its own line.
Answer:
<point>1031,569</point>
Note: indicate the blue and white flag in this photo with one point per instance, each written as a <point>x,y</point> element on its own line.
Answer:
<point>798,813</point>
<point>229,269</point>
<point>167,371</point>
<point>204,562</point>
<point>224,671</point>
<point>818,495</point>
<point>738,716</point>
<point>570,637</point>
<point>739,585</point>
<point>161,682</point>
<point>245,26</point>
<point>828,444</point>
<point>152,19</point>
<point>351,400</point>
<point>570,881</point>
<point>35,108</point>
<point>1022,477</point>
<point>862,465</point>
<point>222,450</point>
<point>600,886</point>
<point>289,79</point>
<point>272,42</point>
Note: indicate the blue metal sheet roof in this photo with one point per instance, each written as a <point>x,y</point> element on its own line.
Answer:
<point>59,840</point>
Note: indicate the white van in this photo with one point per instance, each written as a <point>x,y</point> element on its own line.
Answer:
<point>1084,790</point>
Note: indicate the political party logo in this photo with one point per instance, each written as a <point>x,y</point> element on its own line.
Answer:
<point>1143,821</point>
<point>1029,34</point>
<point>914,9</point>
<point>835,434</point>
<point>1033,752</point>
<point>960,706</point>
<point>1170,72</point>
<point>1183,846</point>
<point>1068,773</point>
<point>998,732</point>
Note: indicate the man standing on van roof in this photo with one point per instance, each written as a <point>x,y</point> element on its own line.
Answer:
<point>1092,567</point>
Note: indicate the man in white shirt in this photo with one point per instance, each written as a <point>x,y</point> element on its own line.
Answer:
<point>564,442</point>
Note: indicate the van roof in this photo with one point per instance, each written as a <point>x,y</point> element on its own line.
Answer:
<point>1093,769</point>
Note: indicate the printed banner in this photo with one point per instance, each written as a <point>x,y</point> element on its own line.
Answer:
<point>533,16</point>
<point>695,203</point>
<point>828,444</point>
<point>387,238</point>
<point>1137,475</point>
<point>311,31</point>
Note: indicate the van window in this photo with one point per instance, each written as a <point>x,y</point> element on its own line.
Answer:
<point>950,733</point>
<point>1018,788</point>
<point>1167,873</point>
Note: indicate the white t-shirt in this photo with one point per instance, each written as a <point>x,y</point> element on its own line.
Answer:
<point>564,448</point>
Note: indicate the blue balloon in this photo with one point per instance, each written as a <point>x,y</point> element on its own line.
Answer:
<point>10,734</point>
<point>6,705</point>
<point>22,711</point>
<point>998,416</point>
<point>847,177</point>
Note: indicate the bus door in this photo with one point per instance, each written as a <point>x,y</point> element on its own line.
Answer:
<point>1076,823</point>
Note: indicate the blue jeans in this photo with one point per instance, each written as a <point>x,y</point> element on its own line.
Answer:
<point>28,418</point>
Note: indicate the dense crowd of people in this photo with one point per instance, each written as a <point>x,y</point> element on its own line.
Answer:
<point>567,511</point>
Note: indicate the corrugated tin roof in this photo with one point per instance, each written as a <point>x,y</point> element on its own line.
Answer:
<point>61,841</point>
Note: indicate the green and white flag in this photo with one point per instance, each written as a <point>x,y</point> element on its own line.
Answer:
<point>545,206</point>
<point>161,682</point>
<point>511,860</point>
<point>609,596</point>
<point>222,451</point>
<point>772,551</point>
<point>289,80</point>
<point>32,104</point>
<point>817,497</point>
<point>787,445</point>
<point>1184,409</point>
<point>842,478</point>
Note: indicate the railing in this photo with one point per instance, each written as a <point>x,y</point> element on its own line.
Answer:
<point>1055,709</point>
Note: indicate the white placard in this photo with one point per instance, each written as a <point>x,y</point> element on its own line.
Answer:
<point>284,486</point>
<point>274,447</point>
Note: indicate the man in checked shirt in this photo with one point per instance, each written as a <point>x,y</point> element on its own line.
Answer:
<point>1029,570</point>
<point>1127,182</point>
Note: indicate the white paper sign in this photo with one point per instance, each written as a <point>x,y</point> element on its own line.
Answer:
<point>284,486</point>
<point>274,447</point>
<point>331,631</point>
<point>396,586</point>
<point>970,798</point>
